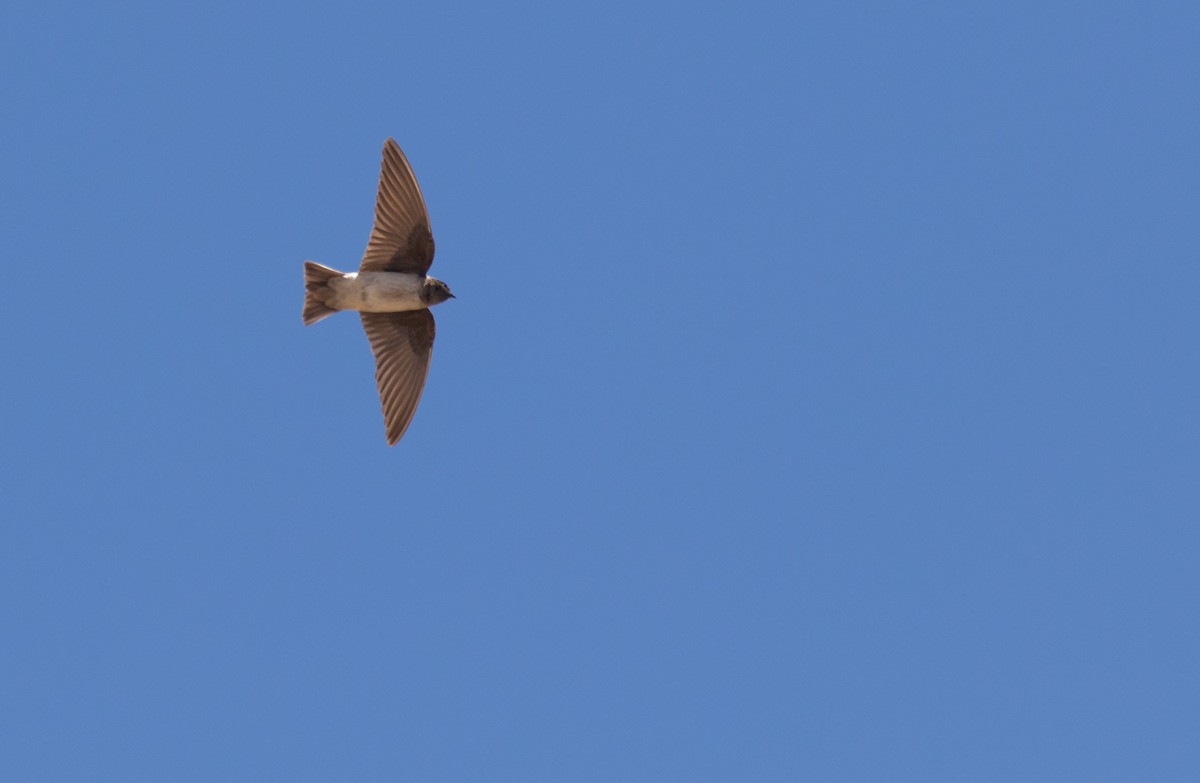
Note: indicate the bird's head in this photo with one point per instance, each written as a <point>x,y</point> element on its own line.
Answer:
<point>435,291</point>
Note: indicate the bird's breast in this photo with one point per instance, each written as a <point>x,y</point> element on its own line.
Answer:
<point>378,292</point>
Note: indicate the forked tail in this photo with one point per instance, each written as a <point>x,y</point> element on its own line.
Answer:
<point>317,292</point>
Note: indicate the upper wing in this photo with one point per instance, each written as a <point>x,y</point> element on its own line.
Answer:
<point>401,240</point>
<point>402,344</point>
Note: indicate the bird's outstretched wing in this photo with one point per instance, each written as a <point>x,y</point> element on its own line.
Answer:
<point>401,240</point>
<point>402,344</point>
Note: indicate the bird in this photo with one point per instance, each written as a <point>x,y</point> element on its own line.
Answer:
<point>392,291</point>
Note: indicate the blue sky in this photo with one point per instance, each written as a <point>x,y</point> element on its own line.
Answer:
<point>819,402</point>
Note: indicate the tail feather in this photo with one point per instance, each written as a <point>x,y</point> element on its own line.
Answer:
<point>316,292</point>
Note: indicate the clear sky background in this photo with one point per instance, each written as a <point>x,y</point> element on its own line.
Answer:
<point>819,402</point>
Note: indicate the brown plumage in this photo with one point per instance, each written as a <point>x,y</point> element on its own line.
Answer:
<point>391,290</point>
